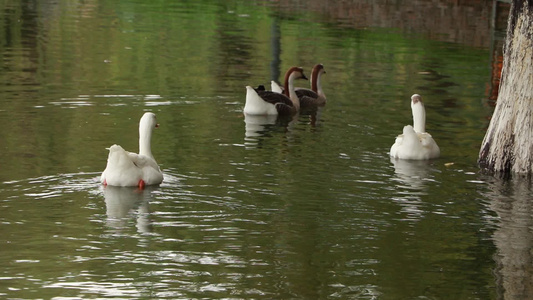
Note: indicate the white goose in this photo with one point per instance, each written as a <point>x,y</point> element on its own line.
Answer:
<point>308,97</point>
<point>131,169</point>
<point>262,102</point>
<point>415,143</point>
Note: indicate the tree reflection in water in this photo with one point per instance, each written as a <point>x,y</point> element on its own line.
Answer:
<point>511,200</point>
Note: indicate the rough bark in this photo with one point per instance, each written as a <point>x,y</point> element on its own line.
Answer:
<point>508,143</point>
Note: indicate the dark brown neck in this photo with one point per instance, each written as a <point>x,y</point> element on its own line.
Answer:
<point>314,80</point>
<point>286,83</point>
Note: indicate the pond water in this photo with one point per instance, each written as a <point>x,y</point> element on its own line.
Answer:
<point>252,208</point>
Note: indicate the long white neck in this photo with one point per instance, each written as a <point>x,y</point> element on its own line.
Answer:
<point>145,140</point>
<point>419,117</point>
<point>292,93</point>
<point>318,86</point>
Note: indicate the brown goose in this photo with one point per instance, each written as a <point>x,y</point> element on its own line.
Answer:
<point>308,97</point>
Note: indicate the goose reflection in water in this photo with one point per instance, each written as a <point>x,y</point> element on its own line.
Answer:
<point>258,126</point>
<point>315,116</point>
<point>412,173</point>
<point>412,177</point>
<point>122,203</point>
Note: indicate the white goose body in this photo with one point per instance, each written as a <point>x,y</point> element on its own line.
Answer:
<point>275,87</point>
<point>261,102</point>
<point>415,143</point>
<point>131,169</point>
<point>255,105</point>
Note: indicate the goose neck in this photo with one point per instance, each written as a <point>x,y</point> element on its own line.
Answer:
<point>145,140</point>
<point>419,117</point>
<point>289,90</point>
<point>316,84</point>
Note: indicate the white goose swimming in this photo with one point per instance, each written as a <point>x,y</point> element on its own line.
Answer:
<point>415,143</point>
<point>131,169</point>
<point>262,102</point>
<point>308,97</point>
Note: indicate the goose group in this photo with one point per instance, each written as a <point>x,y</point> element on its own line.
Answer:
<point>309,98</point>
<point>262,102</point>
<point>131,169</point>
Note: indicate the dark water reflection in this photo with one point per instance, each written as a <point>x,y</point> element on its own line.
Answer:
<point>310,207</point>
<point>464,22</point>
<point>511,201</point>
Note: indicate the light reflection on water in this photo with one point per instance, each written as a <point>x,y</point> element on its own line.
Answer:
<point>172,266</point>
<point>121,100</point>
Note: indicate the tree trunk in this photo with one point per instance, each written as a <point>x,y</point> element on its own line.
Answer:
<point>508,143</point>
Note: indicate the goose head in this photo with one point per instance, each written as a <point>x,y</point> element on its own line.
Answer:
<point>148,122</point>
<point>419,113</point>
<point>292,74</point>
